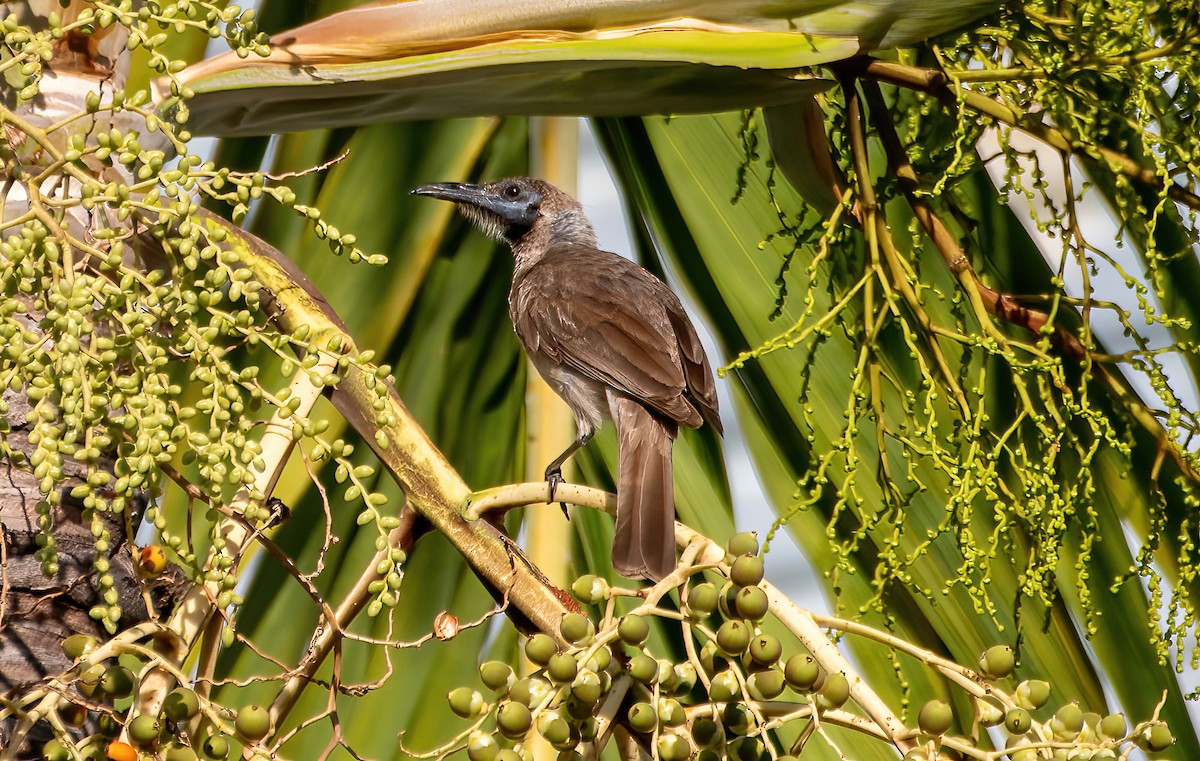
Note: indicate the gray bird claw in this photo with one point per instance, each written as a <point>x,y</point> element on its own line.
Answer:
<point>554,477</point>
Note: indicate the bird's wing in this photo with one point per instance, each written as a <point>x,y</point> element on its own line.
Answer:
<point>612,321</point>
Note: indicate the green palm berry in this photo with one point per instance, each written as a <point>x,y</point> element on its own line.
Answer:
<point>509,755</point>
<point>746,571</point>
<point>685,678</point>
<point>702,600</point>
<point>727,600</point>
<point>215,747</point>
<point>724,687</point>
<point>587,688</point>
<point>590,590</point>
<point>710,659</point>
<point>745,543</point>
<point>554,729</point>
<point>1071,717</point>
<point>765,649</point>
<point>1113,726</point>
<point>465,702</point>
<point>181,704</point>
<point>482,747</point>
<point>1155,738</point>
<point>562,668</point>
<point>643,668</point>
<point>935,717</point>
<point>1032,694</point>
<point>673,747</point>
<point>253,723</point>
<point>765,685</point>
<point>708,733</point>
<point>55,751</point>
<point>576,628</point>
<point>540,648</point>
<point>144,730</point>
<point>513,720</point>
<point>733,637</point>
<point>642,717</point>
<point>989,714</point>
<point>633,630</point>
<point>600,660</point>
<point>997,662</point>
<point>180,753</point>
<point>737,720</point>
<point>78,645</point>
<point>835,692</point>
<point>670,713</point>
<point>497,676</point>
<point>117,682</point>
<point>802,672</point>
<point>1017,721</point>
<point>751,603</point>
<point>570,755</point>
<point>745,749</point>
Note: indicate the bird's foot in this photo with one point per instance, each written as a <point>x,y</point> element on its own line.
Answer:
<point>554,477</point>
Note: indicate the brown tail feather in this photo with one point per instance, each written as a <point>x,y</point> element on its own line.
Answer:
<point>644,546</point>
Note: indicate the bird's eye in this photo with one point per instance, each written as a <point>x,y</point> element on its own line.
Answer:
<point>512,191</point>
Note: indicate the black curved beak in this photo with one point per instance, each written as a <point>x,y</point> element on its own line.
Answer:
<point>459,192</point>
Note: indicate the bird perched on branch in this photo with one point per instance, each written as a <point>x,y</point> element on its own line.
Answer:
<point>611,339</point>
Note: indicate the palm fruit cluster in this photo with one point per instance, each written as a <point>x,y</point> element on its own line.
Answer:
<point>595,676</point>
<point>107,683</point>
<point>1035,729</point>
<point>736,685</point>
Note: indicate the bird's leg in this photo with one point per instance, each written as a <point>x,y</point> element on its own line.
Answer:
<point>554,470</point>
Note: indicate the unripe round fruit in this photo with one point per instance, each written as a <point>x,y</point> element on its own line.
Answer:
<point>711,660</point>
<point>554,728</point>
<point>724,687</point>
<point>746,571</point>
<point>600,660</point>
<point>733,637</point>
<point>802,672</point>
<point>643,668</point>
<point>78,645</point>
<point>590,590</point>
<point>633,630</point>
<point>587,688</point>
<point>989,714</point>
<point>765,649</point>
<point>181,704</point>
<point>670,713</point>
<point>1155,738</point>
<point>508,755</point>
<point>745,749</point>
<point>916,754</point>
<point>1113,726</point>
<point>570,755</point>
<point>576,628</point>
<point>118,751</point>
<point>745,543</point>
<point>562,668</point>
<point>673,747</point>
<point>117,682</point>
<point>180,753</point>
<point>997,662</point>
<point>215,747</point>
<point>765,685</point>
<point>513,720</point>
<point>935,718</point>
<point>685,678</point>
<point>737,720</point>
<point>497,676</point>
<point>109,725</point>
<point>708,755</point>
<point>55,751</point>
<point>540,649</point>
<point>253,723</point>
<point>708,733</point>
<point>144,730</point>
<point>751,603</point>
<point>1017,721</point>
<point>835,692</point>
<point>727,600</point>
<point>589,729</point>
<point>465,702</point>
<point>1032,694</point>
<point>643,717</point>
<point>702,599</point>
<point>1071,716</point>
<point>482,747</point>
<point>522,691</point>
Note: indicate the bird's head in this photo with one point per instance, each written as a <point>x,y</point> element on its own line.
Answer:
<point>521,210</point>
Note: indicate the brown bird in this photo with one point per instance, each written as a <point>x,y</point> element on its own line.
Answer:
<point>611,339</point>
